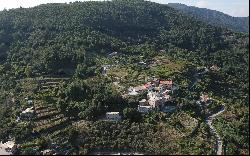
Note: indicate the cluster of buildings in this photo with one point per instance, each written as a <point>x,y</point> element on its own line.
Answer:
<point>157,96</point>
<point>154,100</point>
<point>159,92</point>
<point>151,86</point>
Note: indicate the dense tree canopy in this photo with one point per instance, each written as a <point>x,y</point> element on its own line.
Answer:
<point>56,54</point>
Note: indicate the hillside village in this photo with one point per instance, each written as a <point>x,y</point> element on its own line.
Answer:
<point>120,77</point>
<point>159,95</point>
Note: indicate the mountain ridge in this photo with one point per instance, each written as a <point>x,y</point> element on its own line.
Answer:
<point>214,17</point>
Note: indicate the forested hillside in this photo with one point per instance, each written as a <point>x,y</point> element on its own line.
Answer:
<point>55,54</point>
<point>44,36</point>
<point>216,18</point>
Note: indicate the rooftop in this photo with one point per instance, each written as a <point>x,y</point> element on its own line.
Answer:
<point>113,113</point>
<point>29,110</point>
<point>167,82</point>
<point>143,100</point>
<point>3,146</point>
<point>144,106</point>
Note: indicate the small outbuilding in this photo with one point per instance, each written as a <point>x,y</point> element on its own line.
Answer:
<point>115,116</point>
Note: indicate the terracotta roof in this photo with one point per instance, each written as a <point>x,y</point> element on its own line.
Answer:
<point>167,82</point>
<point>113,113</point>
<point>147,84</point>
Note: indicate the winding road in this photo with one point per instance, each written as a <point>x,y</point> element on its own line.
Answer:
<point>209,121</point>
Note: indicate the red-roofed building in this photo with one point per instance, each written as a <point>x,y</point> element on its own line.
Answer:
<point>167,82</point>
<point>147,85</point>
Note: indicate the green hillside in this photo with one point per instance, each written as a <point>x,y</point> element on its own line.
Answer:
<point>55,54</point>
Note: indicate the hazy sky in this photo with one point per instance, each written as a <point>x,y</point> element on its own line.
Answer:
<point>231,7</point>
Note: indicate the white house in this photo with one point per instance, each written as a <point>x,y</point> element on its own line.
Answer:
<point>133,92</point>
<point>144,109</point>
<point>28,113</point>
<point>113,116</point>
<point>8,148</point>
<point>150,95</point>
<point>157,100</point>
<point>105,68</point>
<point>143,102</point>
<point>47,152</point>
<point>30,102</point>
<point>166,97</point>
<point>113,54</point>
<point>142,63</point>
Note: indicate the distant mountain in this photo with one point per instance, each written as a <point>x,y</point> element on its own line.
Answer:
<point>216,18</point>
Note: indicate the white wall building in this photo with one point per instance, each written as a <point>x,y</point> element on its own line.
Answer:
<point>28,113</point>
<point>8,148</point>
<point>154,100</point>
<point>30,102</point>
<point>166,98</point>
<point>113,116</point>
<point>143,102</point>
<point>144,109</point>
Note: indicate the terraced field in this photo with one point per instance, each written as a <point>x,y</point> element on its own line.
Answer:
<point>48,119</point>
<point>49,122</point>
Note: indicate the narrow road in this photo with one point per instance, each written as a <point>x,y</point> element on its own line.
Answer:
<point>209,121</point>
